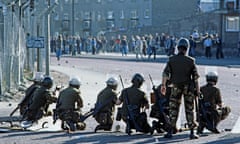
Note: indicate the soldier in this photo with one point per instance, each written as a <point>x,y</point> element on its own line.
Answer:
<point>182,73</point>
<point>41,98</point>
<point>29,92</point>
<point>212,100</point>
<point>68,98</point>
<point>106,99</point>
<point>160,110</point>
<point>134,99</point>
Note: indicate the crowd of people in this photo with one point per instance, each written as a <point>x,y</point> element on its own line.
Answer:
<point>144,46</point>
<point>179,79</point>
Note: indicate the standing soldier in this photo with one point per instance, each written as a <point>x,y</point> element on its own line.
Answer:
<point>40,101</point>
<point>182,72</point>
<point>106,99</point>
<point>68,98</point>
<point>134,99</point>
<point>212,100</point>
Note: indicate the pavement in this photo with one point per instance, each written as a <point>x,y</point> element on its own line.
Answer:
<point>93,82</point>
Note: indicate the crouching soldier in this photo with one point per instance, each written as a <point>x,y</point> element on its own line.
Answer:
<point>65,108</point>
<point>23,105</point>
<point>134,100</point>
<point>212,104</point>
<point>40,101</point>
<point>160,110</point>
<point>106,101</point>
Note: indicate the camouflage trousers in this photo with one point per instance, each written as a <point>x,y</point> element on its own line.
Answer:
<point>175,102</point>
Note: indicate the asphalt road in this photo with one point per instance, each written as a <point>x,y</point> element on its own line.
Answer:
<point>93,71</point>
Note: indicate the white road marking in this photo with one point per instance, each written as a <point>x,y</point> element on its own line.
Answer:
<point>236,128</point>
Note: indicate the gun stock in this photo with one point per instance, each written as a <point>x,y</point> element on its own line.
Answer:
<point>160,100</point>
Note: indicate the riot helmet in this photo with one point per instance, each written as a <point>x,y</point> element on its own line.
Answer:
<point>75,82</point>
<point>38,77</point>
<point>112,82</point>
<point>47,82</point>
<point>138,79</point>
<point>212,76</point>
<point>183,44</point>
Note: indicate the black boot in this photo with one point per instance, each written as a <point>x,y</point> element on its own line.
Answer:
<point>169,133</point>
<point>192,135</point>
<point>200,129</point>
<point>97,128</point>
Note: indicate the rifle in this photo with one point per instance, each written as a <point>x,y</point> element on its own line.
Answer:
<point>95,110</point>
<point>26,99</point>
<point>11,114</point>
<point>160,100</point>
<point>209,124</point>
<point>199,104</point>
<point>130,116</point>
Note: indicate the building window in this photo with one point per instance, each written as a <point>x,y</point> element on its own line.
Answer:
<point>65,16</point>
<point>87,15</point>
<point>134,14</point>
<point>134,23</point>
<point>65,25</point>
<point>110,15</point>
<point>147,13</point>
<point>232,23</point>
<point>86,24</point>
<point>122,14</point>
<point>230,4</point>
<point>110,24</point>
<point>66,1</point>
<point>99,1</point>
<point>99,16</point>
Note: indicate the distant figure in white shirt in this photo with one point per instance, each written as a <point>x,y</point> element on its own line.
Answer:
<point>207,45</point>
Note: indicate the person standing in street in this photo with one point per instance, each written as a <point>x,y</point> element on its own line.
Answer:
<point>106,100</point>
<point>208,45</point>
<point>219,52</point>
<point>182,72</point>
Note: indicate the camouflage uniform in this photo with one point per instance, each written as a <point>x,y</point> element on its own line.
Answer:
<point>136,98</point>
<point>105,115</point>
<point>41,98</point>
<point>66,106</point>
<point>212,98</point>
<point>182,72</point>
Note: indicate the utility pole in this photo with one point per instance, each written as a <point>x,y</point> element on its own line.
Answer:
<point>73,17</point>
<point>19,43</point>
<point>48,41</point>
